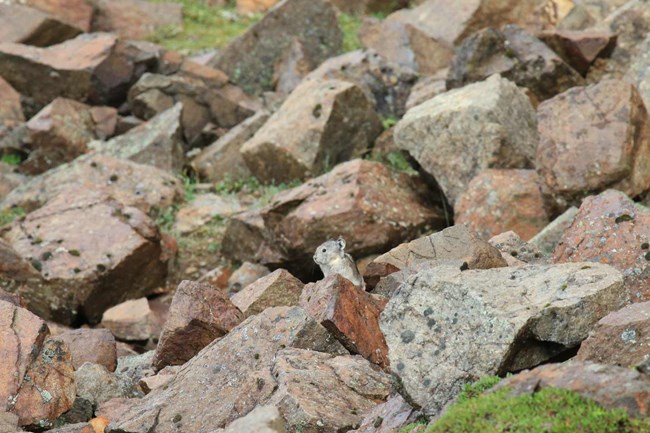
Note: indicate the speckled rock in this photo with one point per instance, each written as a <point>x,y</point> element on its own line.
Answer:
<point>262,419</point>
<point>132,320</point>
<point>279,288</point>
<point>203,209</point>
<point>388,417</point>
<point>516,251</point>
<point>96,346</point>
<point>548,238</point>
<point>246,274</point>
<point>9,179</point>
<point>74,12</point>
<point>580,48</point>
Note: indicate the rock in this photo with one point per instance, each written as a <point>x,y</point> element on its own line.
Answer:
<point>96,346</point>
<point>254,6</point>
<point>217,277</point>
<point>131,370</point>
<point>610,228</point>
<point>516,251</point>
<point>161,379</point>
<point>89,68</point>
<point>277,289</point>
<point>322,123</point>
<point>547,239</point>
<point>198,315</point>
<point>350,314</point>
<point>517,56</point>
<point>383,82</point>
<point>620,338</point>
<point>455,135</point>
<point>15,273</point>
<point>237,377</point>
<point>291,68</point>
<point>96,384</point>
<point>457,243</point>
<point>105,120</point>
<point>59,133</point>
<point>368,7</point>
<point>132,320</point>
<point>445,327</point>
<point>222,160</point>
<point>245,275</point>
<point>501,200</point>
<point>243,237</point>
<point>24,25</point>
<point>610,386</point>
<point>203,209</point>
<point>9,423</point>
<point>9,179</point>
<point>144,187</point>
<point>112,409</point>
<point>579,49</point>
<point>158,142</point>
<point>320,391</point>
<point>426,88</point>
<point>77,13</point>
<point>83,243</point>
<point>250,59</point>
<point>637,72</point>
<point>388,417</point>
<point>608,121</point>
<point>11,112</point>
<point>262,419</point>
<point>135,19</point>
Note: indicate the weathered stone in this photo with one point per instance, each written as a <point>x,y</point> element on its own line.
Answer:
<point>222,159</point>
<point>15,273</point>
<point>96,384</point>
<point>203,209</point>
<point>254,6</point>
<point>638,71</point>
<point>383,82</point>
<point>77,13</point>
<point>593,138</point>
<point>620,338</point>
<point>105,120</point>
<point>455,135</point>
<point>579,48</point>
<point>9,179</point>
<point>198,315</point>
<point>610,386</point>
<point>135,19</point>
<point>322,123</point>
<point>279,288</point>
<point>291,68</point>
<point>250,59</point>
<point>161,379</point>
<point>24,25</point>
<point>11,112</point>
<point>96,346</point>
<point>517,56</point>
<point>547,239</point>
<point>350,314</point>
<point>427,88</point>
<point>445,327</point>
<point>516,251</point>
<point>9,423</point>
<point>234,373</point>
<point>130,371</point>
<point>144,187</point>
<point>91,252</point>
<point>217,277</point>
<point>501,200</point>
<point>132,320</point>
<point>388,417</point>
<point>243,238</point>
<point>320,391</point>
<point>262,419</point>
<point>610,228</point>
<point>245,275</point>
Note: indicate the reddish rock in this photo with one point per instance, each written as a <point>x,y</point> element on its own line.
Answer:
<point>254,6</point>
<point>217,277</point>
<point>164,376</point>
<point>174,63</point>
<point>610,228</point>
<point>105,120</point>
<point>426,88</point>
<point>497,201</point>
<point>96,346</point>
<point>135,19</point>
<point>198,315</point>
<point>77,13</point>
<point>112,409</point>
<point>579,48</point>
<point>291,68</point>
<point>25,25</point>
<point>11,111</point>
<point>620,338</point>
<point>516,251</point>
<point>350,314</point>
<point>593,138</point>
<point>246,274</point>
<point>15,272</point>
<point>131,320</point>
<point>279,288</point>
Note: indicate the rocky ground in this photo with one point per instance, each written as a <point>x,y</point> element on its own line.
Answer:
<point>168,169</point>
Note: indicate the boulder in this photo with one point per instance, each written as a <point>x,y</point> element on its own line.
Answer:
<point>250,59</point>
<point>548,238</point>
<point>198,315</point>
<point>96,346</point>
<point>445,327</point>
<point>277,289</point>
<point>24,25</point>
<point>579,49</point>
<point>516,251</point>
<point>457,134</point>
<point>95,384</point>
<point>501,200</point>
<point>368,7</point>
<point>426,88</point>
<point>11,111</point>
<point>322,123</point>
<point>77,13</point>
<point>638,71</point>
<point>203,209</point>
<point>132,320</point>
<point>610,228</point>
<point>350,314</point>
<point>135,19</point>
<point>593,138</point>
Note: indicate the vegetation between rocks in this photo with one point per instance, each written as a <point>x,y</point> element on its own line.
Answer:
<point>9,215</point>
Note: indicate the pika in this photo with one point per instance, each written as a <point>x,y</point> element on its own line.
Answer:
<point>332,259</point>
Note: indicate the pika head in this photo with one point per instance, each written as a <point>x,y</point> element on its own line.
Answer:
<point>330,252</point>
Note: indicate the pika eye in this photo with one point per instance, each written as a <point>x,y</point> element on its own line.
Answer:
<point>324,250</point>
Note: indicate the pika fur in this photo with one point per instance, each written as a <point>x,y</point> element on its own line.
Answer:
<point>332,259</point>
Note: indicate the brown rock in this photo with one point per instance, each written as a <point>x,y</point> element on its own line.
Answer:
<point>427,88</point>
<point>9,179</point>
<point>77,13</point>
<point>497,201</point>
<point>15,272</point>
<point>516,251</point>
<point>203,209</point>
<point>217,277</point>
<point>25,25</point>
<point>610,386</point>
<point>11,112</point>
<point>291,68</point>
<point>91,345</point>
<point>592,138</point>
<point>9,423</point>
<point>243,237</point>
<point>254,6</point>
<point>105,120</point>
<point>322,123</point>
<point>388,417</point>
<point>198,315</point>
<point>620,338</point>
<point>279,288</point>
<point>135,19</point>
<point>610,228</point>
<point>112,409</point>
<point>164,377</point>
<point>246,274</point>
<point>579,48</point>
<point>131,320</point>
<point>350,314</point>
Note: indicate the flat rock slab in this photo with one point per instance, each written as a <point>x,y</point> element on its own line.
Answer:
<point>580,48</point>
<point>516,251</point>
<point>262,419</point>
<point>77,13</point>
<point>388,417</point>
<point>547,239</point>
<point>445,328</point>
<point>132,320</point>
<point>277,289</point>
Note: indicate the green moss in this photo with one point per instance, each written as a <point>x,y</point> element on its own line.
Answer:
<point>549,410</point>
<point>389,122</point>
<point>396,160</point>
<point>473,390</point>
<point>413,426</point>
<point>350,26</point>
<point>189,185</point>
<point>11,159</point>
<point>204,27</point>
<point>166,218</point>
<point>9,215</point>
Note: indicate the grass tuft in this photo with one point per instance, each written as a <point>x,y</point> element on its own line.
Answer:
<point>7,216</point>
<point>11,159</point>
<point>350,26</point>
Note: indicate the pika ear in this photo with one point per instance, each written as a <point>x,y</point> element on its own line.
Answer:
<point>341,243</point>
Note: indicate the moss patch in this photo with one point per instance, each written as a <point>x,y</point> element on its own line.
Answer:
<point>350,26</point>
<point>11,159</point>
<point>9,215</point>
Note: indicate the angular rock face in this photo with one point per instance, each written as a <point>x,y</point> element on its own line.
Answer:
<point>250,59</point>
<point>74,12</point>
<point>9,179</point>
<point>580,48</point>
<point>516,251</point>
<point>144,187</point>
<point>455,135</point>
<point>620,338</point>
<point>135,19</point>
<point>24,25</point>
<point>592,138</point>
<point>198,315</point>
<point>610,228</point>
<point>96,346</point>
<point>350,314</point>
<point>262,419</point>
<point>133,320</point>
<point>548,238</point>
<point>388,417</point>
<point>445,327</point>
<point>11,112</point>
<point>277,289</point>
<point>234,374</point>
<point>322,123</point>
<point>91,252</point>
<point>204,209</point>
<point>517,56</point>
<point>318,389</point>
<point>497,201</point>
<point>245,275</point>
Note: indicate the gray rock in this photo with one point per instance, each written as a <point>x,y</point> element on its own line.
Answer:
<point>516,251</point>
<point>445,327</point>
<point>262,419</point>
<point>96,384</point>
<point>550,236</point>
